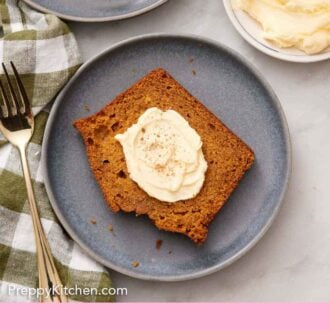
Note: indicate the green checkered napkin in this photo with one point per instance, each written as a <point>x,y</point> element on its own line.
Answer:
<point>46,54</point>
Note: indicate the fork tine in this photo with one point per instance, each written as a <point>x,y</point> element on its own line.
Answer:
<point>2,115</point>
<point>12,92</point>
<point>22,92</point>
<point>6,103</point>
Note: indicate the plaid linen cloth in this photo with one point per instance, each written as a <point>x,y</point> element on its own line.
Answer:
<point>46,55</point>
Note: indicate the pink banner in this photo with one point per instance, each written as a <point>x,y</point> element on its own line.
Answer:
<point>166,316</point>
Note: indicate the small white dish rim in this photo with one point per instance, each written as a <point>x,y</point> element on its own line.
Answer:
<point>242,23</point>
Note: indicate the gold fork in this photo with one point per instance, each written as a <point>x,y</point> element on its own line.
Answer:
<point>17,125</point>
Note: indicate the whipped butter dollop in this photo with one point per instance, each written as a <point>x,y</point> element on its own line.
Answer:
<point>164,155</point>
<point>304,24</point>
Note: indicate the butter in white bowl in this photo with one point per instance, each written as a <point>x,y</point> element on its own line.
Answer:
<point>302,24</point>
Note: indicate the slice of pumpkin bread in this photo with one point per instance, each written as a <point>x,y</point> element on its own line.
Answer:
<point>227,156</point>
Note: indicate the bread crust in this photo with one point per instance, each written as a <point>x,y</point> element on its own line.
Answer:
<point>228,157</point>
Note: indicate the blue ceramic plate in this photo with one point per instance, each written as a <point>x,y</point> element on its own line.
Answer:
<point>228,86</point>
<point>95,10</point>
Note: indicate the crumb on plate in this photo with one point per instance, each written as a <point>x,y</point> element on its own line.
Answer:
<point>159,243</point>
<point>87,107</point>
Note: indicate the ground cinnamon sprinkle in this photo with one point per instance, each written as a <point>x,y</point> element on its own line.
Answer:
<point>93,221</point>
<point>160,168</point>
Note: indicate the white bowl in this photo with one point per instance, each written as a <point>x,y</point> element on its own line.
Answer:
<point>251,31</point>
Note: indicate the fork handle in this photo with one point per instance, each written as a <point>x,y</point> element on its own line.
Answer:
<point>48,275</point>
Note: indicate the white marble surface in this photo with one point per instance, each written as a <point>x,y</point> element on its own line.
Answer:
<point>292,262</point>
